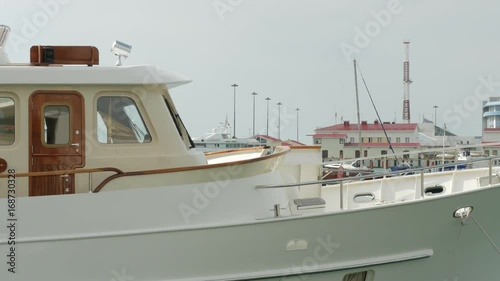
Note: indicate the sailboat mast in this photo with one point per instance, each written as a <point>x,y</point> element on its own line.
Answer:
<point>357,108</point>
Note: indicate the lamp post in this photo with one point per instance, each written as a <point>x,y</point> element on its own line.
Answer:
<point>297,109</point>
<point>254,94</point>
<point>435,111</point>
<point>234,109</point>
<point>279,120</point>
<point>267,120</point>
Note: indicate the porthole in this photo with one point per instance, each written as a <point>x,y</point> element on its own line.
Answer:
<point>364,197</point>
<point>437,189</point>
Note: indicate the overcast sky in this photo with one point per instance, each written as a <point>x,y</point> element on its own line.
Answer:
<point>296,52</point>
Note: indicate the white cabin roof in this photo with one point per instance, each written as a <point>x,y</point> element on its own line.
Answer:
<point>100,75</point>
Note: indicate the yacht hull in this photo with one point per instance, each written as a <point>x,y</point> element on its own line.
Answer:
<point>127,235</point>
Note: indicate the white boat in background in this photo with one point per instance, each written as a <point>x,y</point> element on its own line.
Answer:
<point>341,169</point>
<point>99,180</point>
<point>220,139</point>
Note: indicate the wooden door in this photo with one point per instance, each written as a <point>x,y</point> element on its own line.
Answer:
<point>56,140</point>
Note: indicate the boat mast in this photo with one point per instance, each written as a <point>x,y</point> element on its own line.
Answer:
<point>357,108</point>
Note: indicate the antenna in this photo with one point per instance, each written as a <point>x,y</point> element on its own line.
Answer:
<point>406,82</point>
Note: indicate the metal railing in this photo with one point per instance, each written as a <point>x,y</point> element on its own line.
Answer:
<point>421,171</point>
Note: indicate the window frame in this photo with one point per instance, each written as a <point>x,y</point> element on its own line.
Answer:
<point>14,99</point>
<point>70,128</point>
<point>140,110</point>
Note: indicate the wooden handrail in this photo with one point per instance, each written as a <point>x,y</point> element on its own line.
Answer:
<point>64,172</point>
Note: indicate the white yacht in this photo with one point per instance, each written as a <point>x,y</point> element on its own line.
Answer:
<point>220,139</point>
<point>99,180</point>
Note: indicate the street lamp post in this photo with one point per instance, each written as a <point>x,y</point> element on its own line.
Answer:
<point>267,121</point>
<point>297,109</point>
<point>279,120</point>
<point>254,94</point>
<point>234,109</point>
<point>435,111</point>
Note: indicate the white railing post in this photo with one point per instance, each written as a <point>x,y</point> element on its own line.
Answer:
<point>490,171</point>
<point>422,189</point>
<point>341,195</point>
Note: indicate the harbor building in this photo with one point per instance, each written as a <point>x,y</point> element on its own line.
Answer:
<point>342,141</point>
<point>491,125</point>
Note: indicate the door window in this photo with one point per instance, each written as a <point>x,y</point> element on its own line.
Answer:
<point>56,124</point>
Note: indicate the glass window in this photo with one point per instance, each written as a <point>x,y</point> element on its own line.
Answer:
<point>56,124</point>
<point>351,139</point>
<point>398,140</point>
<point>183,133</point>
<point>407,139</point>
<point>341,141</point>
<point>7,124</point>
<point>119,121</point>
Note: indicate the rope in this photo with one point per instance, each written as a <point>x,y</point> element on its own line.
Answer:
<point>376,111</point>
<point>486,234</point>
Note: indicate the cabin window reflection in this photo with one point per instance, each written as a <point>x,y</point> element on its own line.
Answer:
<point>7,124</point>
<point>56,124</point>
<point>119,121</point>
<point>181,129</point>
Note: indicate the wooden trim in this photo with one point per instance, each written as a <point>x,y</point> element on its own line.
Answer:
<point>305,147</point>
<point>284,150</point>
<point>86,55</point>
<point>66,172</point>
<point>229,151</point>
<point>3,165</point>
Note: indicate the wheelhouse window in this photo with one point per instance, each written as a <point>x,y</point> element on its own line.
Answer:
<point>119,121</point>
<point>181,129</point>
<point>56,124</point>
<point>7,123</point>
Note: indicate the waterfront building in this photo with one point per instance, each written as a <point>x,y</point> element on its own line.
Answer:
<point>341,141</point>
<point>491,125</point>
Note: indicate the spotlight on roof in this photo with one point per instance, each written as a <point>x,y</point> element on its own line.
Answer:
<point>120,49</point>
